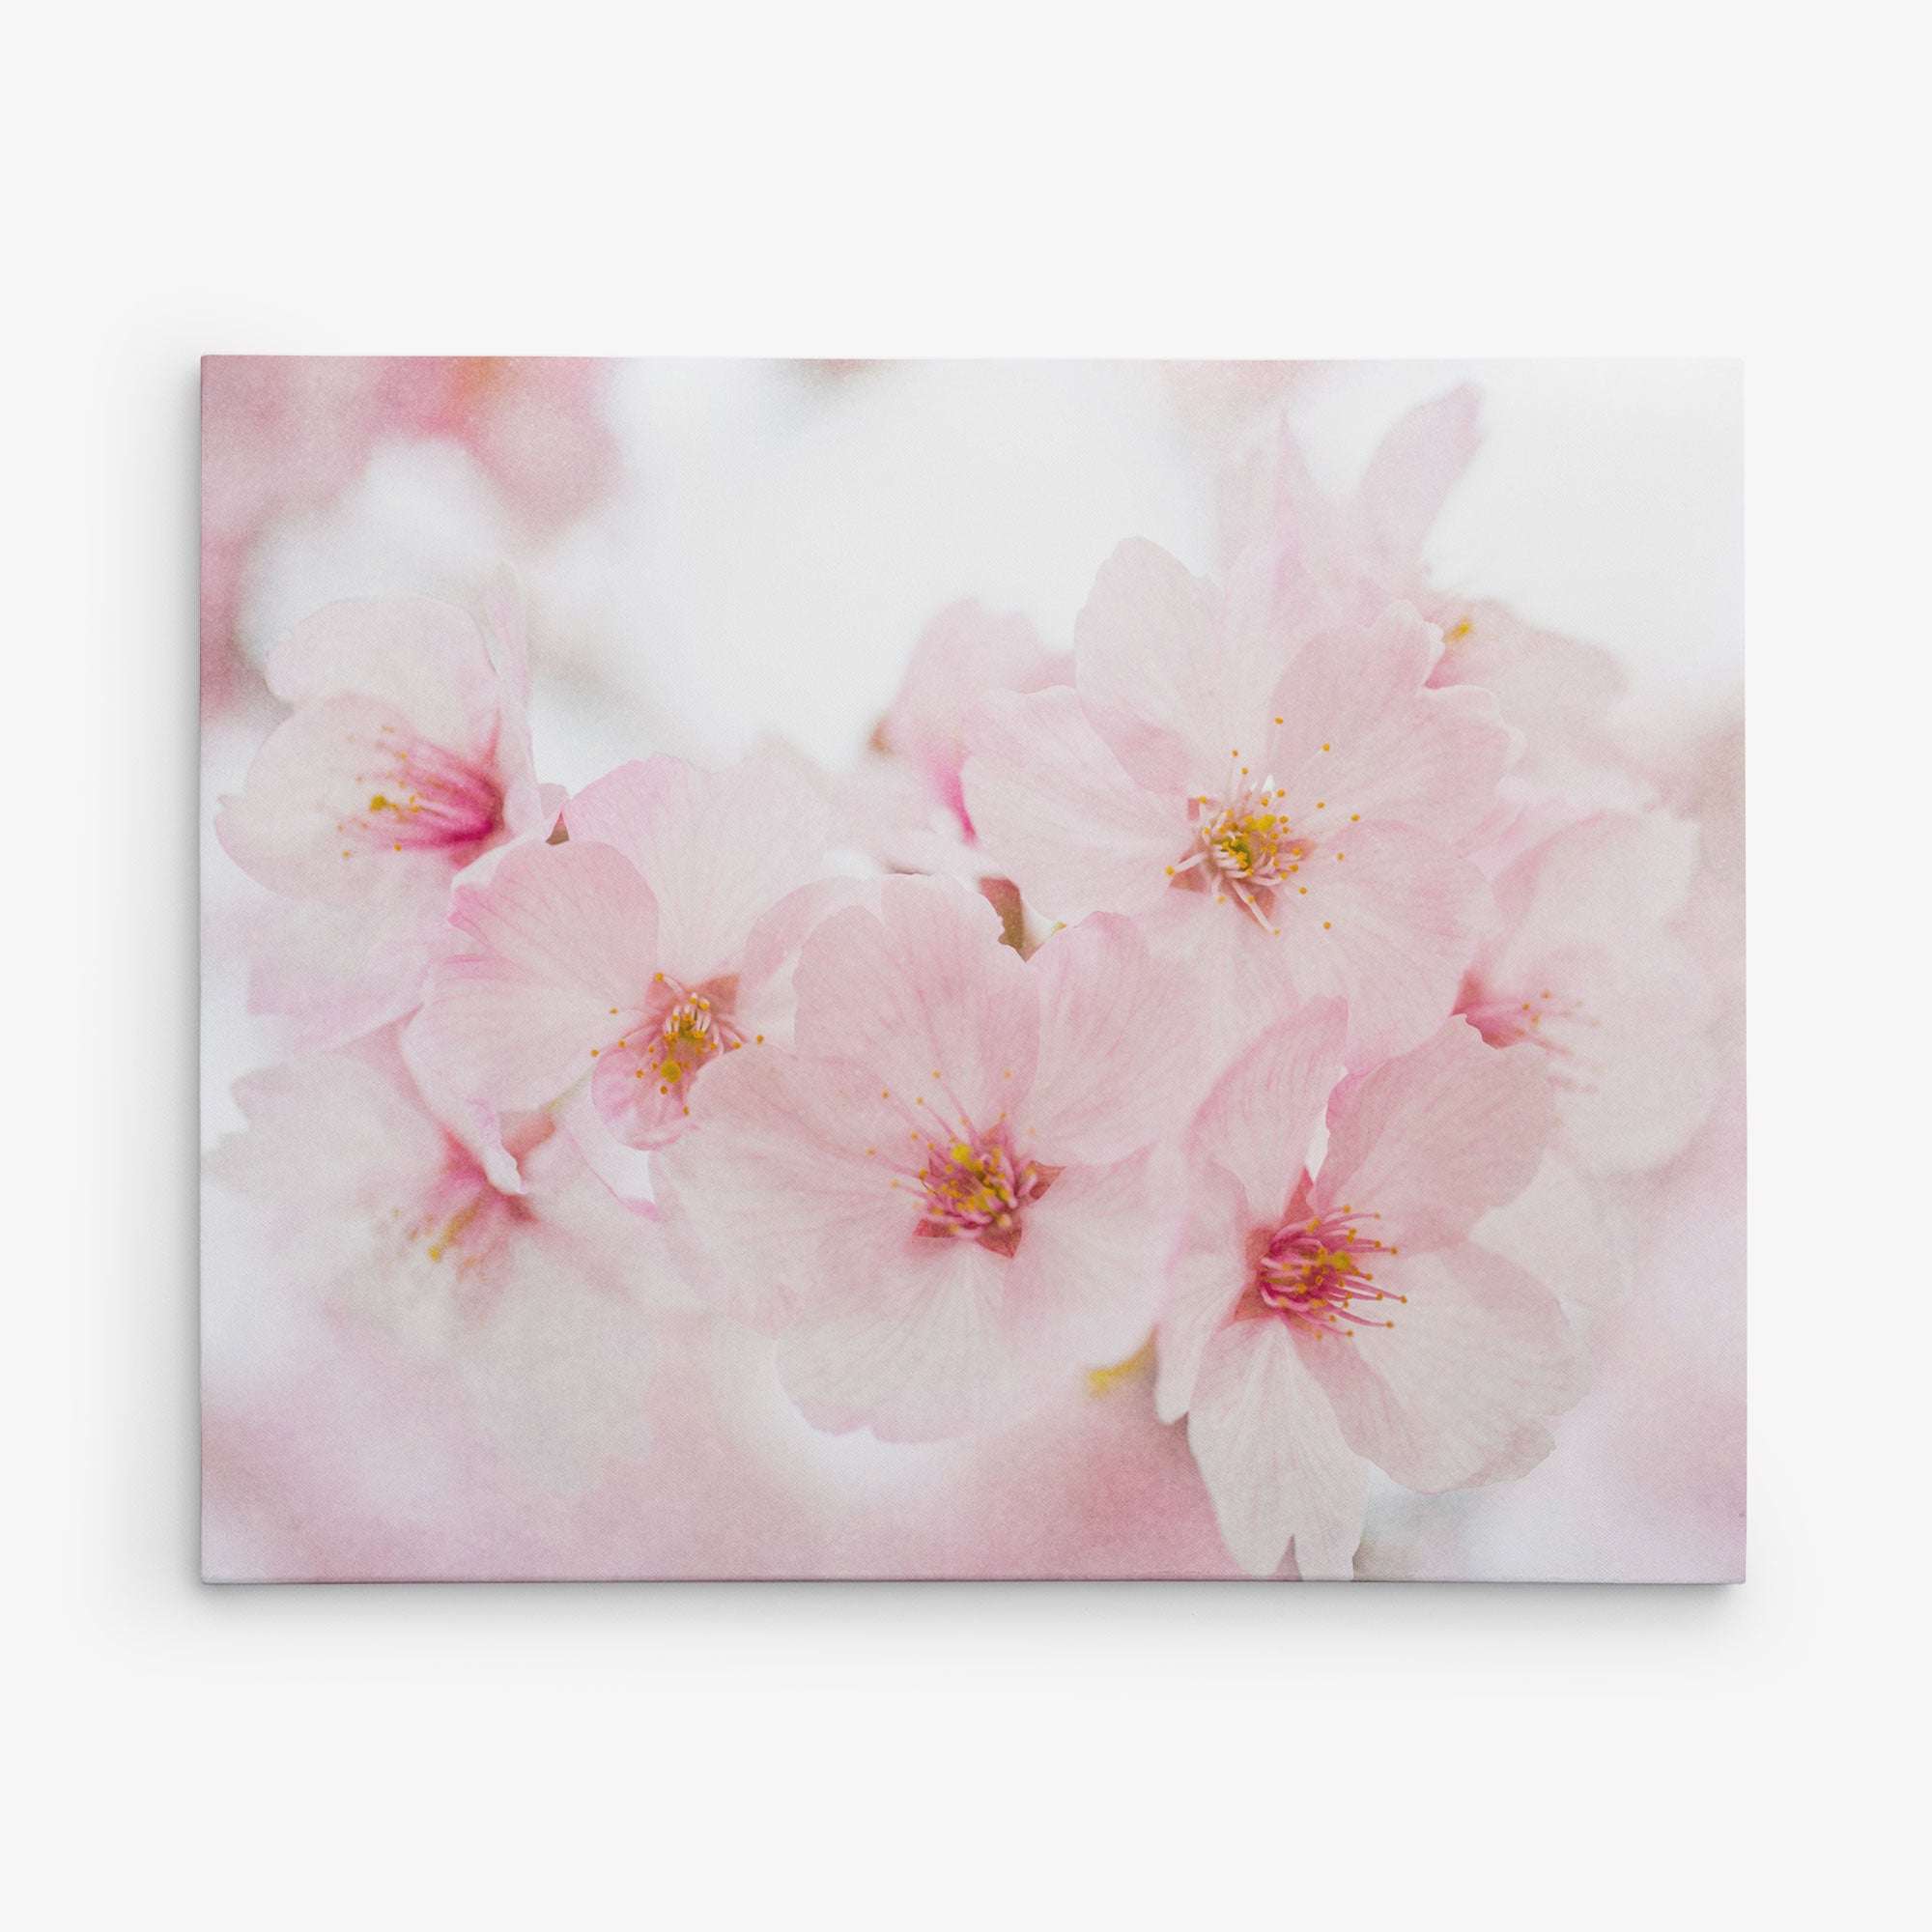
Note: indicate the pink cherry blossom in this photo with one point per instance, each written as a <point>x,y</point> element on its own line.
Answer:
<point>945,1195</point>
<point>1317,562</point>
<point>394,1212</point>
<point>1585,969</point>
<point>964,653</point>
<point>1325,561</point>
<point>902,803</point>
<point>615,967</point>
<point>1295,815</point>
<point>514,1321</point>
<point>1317,1320</point>
<point>406,760</point>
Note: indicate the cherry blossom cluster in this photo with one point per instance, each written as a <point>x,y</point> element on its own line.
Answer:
<point>1262,990</point>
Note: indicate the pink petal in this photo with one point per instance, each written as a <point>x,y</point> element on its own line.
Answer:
<point>1362,739</point>
<point>298,824</point>
<point>1209,1272</point>
<point>1409,477</point>
<point>1118,1042</point>
<point>963,653</point>
<point>341,970</point>
<point>567,933</point>
<point>329,1131</point>
<point>1386,918</point>
<point>1154,669</point>
<point>1083,1288</point>
<point>1458,1390</point>
<point>1631,1061</point>
<point>1598,879</point>
<point>1057,813</point>
<point>1274,1462</point>
<point>1567,1233</point>
<point>422,658</point>
<point>1258,1123</point>
<point>717,848</point>
<point>1434,1139</point>
<point>926,996</point>
<point>1550,688</point>
<point>772,946</point>
<point>783,1189</point>
<point>926,1357</point>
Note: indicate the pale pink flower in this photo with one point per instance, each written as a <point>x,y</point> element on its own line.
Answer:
<point>406,760</point>
<point>902,803</point>
<point>393,1210</point>
<point>1318,562</point>
<point>964,653</point>
<point>944,1196</point>
<point>1317,1320</point>
<point>518,1316</point>
<point>1323,561</point>
<point>1585,967</point>
<point>612,971</point>
<point>1293,813</point>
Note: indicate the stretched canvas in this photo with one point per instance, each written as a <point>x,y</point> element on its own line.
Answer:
<point>972,970</point>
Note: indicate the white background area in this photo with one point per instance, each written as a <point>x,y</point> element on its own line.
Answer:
<point>1654,179</point>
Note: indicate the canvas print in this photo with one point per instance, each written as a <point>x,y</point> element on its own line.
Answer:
<point>972,970</point>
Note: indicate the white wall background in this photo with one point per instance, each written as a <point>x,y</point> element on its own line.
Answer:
<point>988,181</point>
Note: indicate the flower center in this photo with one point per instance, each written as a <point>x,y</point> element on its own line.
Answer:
<point>691,1032</point>
<point>1244,846</point>
<point>1313,1273</point>
<point>1503,1019</point>
<point>463,1221</point>
<point>423,798</point>
<point>974,1188</point>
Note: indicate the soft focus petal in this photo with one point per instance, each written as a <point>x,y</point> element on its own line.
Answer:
<point>1434,1139</point>
<point>963,653</point>
<point>329,1131</point>
<point>1409,477</point>
<point>1154,670</point>
<point>341,970</point>
<point>1567,1233</point>
<point>423,658</point>
<point>1631,1061</point>
<point>1596,880</point>
<point>1274,1459</point>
